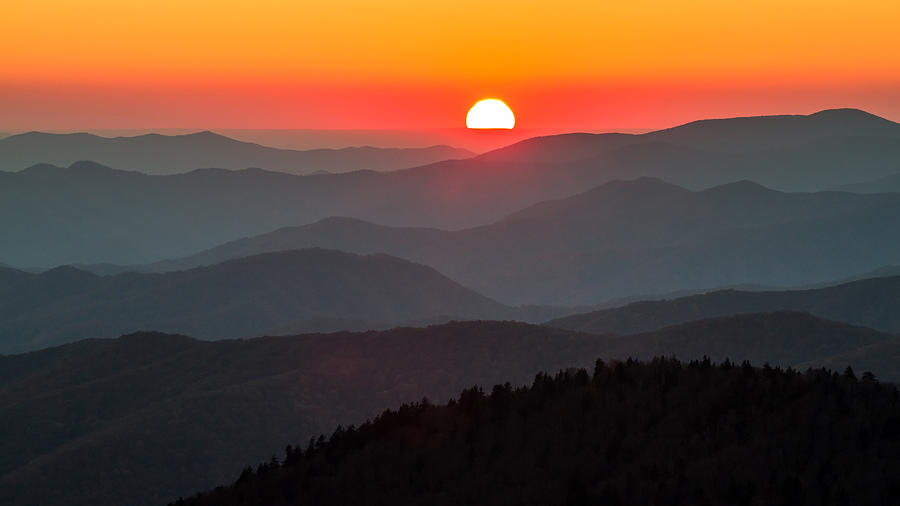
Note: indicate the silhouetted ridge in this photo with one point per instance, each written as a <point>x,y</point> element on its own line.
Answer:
<point>560,148</point>
<point>662,432</point>
<point>850,114</point>
<point>742,187</point>
<point>155,153</point>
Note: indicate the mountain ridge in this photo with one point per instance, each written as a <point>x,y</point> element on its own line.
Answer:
<point>870,302</point>
<point>624,238</point>
<point>68,219</point>
<point>236,298</point>
<point>155,153</point>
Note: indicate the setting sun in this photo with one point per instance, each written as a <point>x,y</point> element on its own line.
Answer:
<point>490,113</point>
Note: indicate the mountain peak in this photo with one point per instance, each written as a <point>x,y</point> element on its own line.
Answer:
<point>90,166</point>
<point>207,134</point>
<point>67,273</point>
<point>642,184</point>
<point>753,133</point>
<point>844,112</point>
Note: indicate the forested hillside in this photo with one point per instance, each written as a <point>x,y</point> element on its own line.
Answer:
<point>631,433</point>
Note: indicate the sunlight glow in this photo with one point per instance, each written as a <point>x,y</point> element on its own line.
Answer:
<point>490,113</point>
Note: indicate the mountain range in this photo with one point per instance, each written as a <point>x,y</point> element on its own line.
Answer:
<point>295,291</point>
<point>89,213</point>
<point>163,237</point>
<point>282,291</point>
<point>169,154</point>
<point>792,153</point>
<point>624,238</point>
<point>172,415</point>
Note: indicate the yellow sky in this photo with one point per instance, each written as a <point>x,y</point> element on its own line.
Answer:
<point>463,44</point>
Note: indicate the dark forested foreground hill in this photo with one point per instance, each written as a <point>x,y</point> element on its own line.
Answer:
<point>625,238</point>
<point>168,415</point>
<point>168,154</point>
<point>171,415</point>
<point>89,213</point>
<point>872,303</point>
<point>664,433</point>
<point>240,298</point>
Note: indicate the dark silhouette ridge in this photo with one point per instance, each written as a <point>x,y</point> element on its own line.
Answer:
<point>624,238</point>
<point>173,415</point>
<point>739,134</point>
<point>662,432</point>
<point>168,154</point>
<point>762,132</point>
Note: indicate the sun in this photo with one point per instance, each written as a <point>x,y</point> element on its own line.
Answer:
<point>490,113</point>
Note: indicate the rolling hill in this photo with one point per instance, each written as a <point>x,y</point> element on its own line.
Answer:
<point>625,238</point>
<point>245,297</point>
<point>871,302</point>
<point>169,154</point>
<point>172,415</point>
<point>89,214</point>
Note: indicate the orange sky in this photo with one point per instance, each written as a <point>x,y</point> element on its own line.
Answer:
<point>403,64</point>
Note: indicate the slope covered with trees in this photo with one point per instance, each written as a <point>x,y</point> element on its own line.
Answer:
<point>169,415</point>
<point>631,433</point>
<point>172,416</point>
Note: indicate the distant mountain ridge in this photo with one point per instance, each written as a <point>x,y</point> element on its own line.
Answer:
<point>739,134</point>
<point>239,298</point>
<point>87,214</point>
<point>873,303</point>
<point>787,152</point>
<point>625,238</point>
<point>169,154</point>
<point>885,184</point>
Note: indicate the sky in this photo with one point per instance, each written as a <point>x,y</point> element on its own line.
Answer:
<point>406,65</point>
